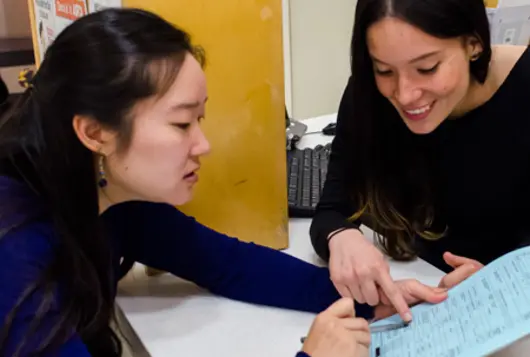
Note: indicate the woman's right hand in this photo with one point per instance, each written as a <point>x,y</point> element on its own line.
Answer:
<point>337,333</point>
<point>358,270</point>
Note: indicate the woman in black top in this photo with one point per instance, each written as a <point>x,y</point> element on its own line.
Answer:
<point>432,148</point>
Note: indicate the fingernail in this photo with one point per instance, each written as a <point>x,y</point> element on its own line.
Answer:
<point>440,290</point>
<point>408,317</point>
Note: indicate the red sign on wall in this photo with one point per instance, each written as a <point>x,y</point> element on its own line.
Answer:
<point>70,9</point>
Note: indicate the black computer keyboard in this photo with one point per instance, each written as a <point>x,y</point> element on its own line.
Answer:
<point>306,174</point>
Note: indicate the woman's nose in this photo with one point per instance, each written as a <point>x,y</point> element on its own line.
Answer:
<point>407,93</point>
<point>202,145</point>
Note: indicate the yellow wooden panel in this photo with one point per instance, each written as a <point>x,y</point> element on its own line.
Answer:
<point>31,8</point>
<point>491,3</point>
<point>242,191</point>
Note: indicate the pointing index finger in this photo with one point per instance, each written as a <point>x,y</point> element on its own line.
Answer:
<point>393,293</point>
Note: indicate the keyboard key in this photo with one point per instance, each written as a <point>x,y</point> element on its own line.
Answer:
<point>307,171</point>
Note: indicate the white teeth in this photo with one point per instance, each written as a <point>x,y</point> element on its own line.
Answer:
<point>419,111</point>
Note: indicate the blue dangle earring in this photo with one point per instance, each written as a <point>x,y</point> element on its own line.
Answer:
<point>102,179</point>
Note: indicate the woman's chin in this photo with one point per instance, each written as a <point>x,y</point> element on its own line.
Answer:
<point>422,127</point>
<point>183,197</point>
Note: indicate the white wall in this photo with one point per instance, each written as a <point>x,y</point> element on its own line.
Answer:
<point>510,3</point>
<point>317,39</point>
<point>286,9</point>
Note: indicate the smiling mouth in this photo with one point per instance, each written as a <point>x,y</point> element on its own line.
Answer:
<point>419,113</point>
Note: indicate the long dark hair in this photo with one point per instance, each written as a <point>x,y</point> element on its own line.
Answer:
<point>100,66</point>
<point>4,93</point>
<point>389,177</point>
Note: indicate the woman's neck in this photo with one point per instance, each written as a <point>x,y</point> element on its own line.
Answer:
<point>111,195</point>
<point>104,201</point>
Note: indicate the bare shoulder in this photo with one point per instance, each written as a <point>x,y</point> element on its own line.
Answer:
<point>504,58</point>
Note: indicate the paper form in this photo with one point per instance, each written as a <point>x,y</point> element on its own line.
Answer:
<point>483,314</point>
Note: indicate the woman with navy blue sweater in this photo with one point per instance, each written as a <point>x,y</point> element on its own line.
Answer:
<point>102,146</point>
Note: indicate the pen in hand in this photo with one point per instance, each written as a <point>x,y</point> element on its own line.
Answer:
<point>380,328</point>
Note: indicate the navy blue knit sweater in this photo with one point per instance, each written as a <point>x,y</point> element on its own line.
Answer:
<point>160,236</point>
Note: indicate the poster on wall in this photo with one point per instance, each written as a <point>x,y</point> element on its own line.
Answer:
<point>44,24</point>
<point>67,11</point>
<point>96,5</point>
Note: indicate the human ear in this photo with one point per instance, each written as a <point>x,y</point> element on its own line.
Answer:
<point>474,48</point>
<point>94,136</point>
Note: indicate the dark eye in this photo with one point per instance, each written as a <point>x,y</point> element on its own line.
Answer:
<point>383,73</point>
<point>183,126</point>
<point>429,70</point>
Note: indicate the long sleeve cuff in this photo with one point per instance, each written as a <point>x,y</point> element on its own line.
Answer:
<point>324,223</point>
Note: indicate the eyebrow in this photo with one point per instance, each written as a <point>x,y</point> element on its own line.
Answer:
<point>417,59</point>
<point>188,105</point>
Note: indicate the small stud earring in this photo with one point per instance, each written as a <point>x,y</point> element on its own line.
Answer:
<point>102,180</point>
<point>475,56</point>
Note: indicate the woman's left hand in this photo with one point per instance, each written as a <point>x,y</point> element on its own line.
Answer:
<point>463,269</point>
<point>414,292</point>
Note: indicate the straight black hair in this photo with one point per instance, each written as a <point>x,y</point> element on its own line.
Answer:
<point>4,93</point>
<point>100,66</point>
<point>389,178</point>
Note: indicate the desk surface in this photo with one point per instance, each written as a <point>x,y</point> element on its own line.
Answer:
<point>173,317</point>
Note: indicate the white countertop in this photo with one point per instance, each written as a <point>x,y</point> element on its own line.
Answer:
<point>173,317</point>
